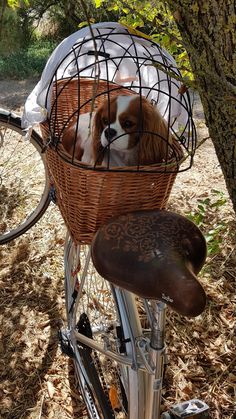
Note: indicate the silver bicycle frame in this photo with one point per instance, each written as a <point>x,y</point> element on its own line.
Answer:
<point>142,366</point>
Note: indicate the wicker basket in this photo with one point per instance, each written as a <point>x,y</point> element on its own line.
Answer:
<point>88,197</point>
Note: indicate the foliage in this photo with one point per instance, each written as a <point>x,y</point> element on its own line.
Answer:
<point>155,20</point>
<point>68,16</point>
<point>28,62</point>
<point>151,17</point>
<point>11,34</point>
<point>209,219</point>
<point>24,23</point>
<point>17,3</point>
<point>65,16</point>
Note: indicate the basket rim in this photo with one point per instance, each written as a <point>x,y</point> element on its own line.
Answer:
<point>153,168</point>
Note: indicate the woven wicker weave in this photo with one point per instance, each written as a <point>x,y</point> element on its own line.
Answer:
<point>87,198</point>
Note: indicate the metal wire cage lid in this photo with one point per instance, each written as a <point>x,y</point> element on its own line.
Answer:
<point>113,53</point>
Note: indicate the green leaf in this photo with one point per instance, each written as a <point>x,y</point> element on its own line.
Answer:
<point>98,3</point>
<point>205,201</point>
<point>85,23</point>
<point>13,3</point>
<point>219,203</point>
<point>216,192</point>
<point>201,208</point>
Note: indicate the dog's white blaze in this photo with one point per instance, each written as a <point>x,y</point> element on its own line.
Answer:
<point>122,141</point>
<point>122,104</point>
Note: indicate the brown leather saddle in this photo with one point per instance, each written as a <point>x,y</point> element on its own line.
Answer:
<point>155,254</point>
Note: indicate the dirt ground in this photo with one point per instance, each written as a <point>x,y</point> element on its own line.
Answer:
<point>37,380</point>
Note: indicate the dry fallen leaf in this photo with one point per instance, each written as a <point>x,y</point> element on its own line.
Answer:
<point>51,389</point>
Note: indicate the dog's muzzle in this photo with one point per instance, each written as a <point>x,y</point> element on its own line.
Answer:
<point>110,133</point>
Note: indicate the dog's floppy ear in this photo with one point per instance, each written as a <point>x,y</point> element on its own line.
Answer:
<point>96,133</point>
<point>154,143</point>
<point>71,142</point>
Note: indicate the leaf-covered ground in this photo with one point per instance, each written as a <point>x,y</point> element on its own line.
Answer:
<point>37,380</point>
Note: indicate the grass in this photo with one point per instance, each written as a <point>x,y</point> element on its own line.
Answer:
<point>26,62</point>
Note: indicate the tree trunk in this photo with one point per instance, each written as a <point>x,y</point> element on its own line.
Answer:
<point>208,32</point>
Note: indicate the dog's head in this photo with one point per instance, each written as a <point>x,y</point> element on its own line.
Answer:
<point>131,123</point>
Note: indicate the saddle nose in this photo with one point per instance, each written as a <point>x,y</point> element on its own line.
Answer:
<point>110,133</point>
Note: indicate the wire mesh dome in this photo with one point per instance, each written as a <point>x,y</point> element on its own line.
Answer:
<point>104,61</point>
<point>111,107</point>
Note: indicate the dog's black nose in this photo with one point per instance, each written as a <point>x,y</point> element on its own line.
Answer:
<point>110,133</point>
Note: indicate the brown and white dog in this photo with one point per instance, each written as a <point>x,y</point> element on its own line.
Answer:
<point>126,132</point>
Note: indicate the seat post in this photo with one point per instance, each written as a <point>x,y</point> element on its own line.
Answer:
<point>157,348</point>
<point>158,325</point>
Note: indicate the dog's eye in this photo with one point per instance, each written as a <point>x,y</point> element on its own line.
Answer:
<point>105,121</point>
<point>128,124</point>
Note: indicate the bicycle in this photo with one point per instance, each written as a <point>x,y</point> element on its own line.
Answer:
<point>115,330</point>
<point>24,181</point>
<point>115,338</point>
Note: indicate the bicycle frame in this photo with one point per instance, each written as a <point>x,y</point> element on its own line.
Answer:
<point>142,365</point>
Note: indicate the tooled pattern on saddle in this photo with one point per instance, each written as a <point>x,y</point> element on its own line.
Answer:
<point>148,237</point>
